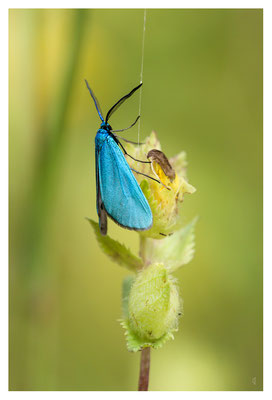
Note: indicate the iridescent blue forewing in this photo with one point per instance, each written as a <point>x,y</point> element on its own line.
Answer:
<point>120,193</point>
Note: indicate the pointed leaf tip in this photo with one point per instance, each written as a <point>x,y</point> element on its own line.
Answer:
<point>116,251</point>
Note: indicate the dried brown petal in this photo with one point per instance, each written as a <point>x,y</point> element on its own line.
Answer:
<point>160,158</point>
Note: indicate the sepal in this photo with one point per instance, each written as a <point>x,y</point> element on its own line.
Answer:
<point>175,250</point>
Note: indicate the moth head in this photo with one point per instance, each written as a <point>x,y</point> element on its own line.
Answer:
<point>105,126</point>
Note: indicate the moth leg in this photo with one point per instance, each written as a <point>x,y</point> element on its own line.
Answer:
<point>125,129</point>
<point>126,153</point>
<point>129,141</point>
<point>150,177</point>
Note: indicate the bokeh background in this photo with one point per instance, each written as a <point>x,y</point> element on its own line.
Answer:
<point>202,93</point>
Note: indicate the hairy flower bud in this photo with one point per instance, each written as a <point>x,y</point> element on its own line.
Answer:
<point>154,305</point>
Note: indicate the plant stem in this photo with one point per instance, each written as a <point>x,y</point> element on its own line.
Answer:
<point>144,370</point>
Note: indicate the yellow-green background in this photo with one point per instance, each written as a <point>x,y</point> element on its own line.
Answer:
<point>202,93</point>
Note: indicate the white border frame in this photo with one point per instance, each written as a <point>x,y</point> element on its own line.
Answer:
<point>266,5</point>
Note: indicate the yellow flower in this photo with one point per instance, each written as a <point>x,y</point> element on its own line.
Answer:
<point>163,197</point>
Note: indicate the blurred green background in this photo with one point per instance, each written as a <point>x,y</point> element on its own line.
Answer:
<point>202,93</point>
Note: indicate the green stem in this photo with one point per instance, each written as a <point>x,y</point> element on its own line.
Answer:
<point>145,353</point>
<point>144,370</point>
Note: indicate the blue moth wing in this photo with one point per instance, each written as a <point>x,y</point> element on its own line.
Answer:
<point>120,193</point>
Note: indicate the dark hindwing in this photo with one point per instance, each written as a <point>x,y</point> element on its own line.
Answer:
<point>103,224</point>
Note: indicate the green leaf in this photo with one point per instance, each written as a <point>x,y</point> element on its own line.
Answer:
<point>175,250</point>
<point>116,251</point>
<point>127,283</point>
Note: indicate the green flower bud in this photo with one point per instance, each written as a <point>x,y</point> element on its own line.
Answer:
<point>154,305</point>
